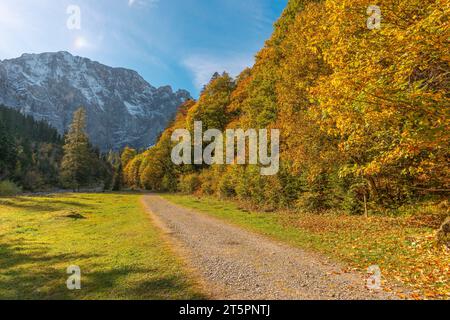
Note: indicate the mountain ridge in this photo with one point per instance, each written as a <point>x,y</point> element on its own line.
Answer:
<point>122,107</point>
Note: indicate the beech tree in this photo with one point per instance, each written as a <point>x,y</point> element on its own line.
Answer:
<point>363,113</point>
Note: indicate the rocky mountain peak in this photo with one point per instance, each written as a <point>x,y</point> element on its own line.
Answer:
<point>122,108</point>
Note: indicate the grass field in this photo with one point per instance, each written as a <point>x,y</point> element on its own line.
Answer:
<point>123,256</point>
<point>109,236</point>
<point>402,246</point>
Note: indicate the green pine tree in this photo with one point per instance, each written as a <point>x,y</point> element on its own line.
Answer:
<point>8,152</point>
<point>76,163</point>
<point>117,179</point>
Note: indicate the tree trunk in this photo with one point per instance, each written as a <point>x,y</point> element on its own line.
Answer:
<point>372,187</point>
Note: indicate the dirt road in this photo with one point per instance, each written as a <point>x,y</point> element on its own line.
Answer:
<point>233,263</point>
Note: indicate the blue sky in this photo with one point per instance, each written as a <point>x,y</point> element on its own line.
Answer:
<point>176,42</point>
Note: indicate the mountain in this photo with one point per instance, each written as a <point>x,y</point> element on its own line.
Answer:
<point>122,108</point>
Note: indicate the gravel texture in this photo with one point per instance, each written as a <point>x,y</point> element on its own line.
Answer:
<point>233,263</point>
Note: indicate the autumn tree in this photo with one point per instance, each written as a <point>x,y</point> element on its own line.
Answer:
<point>213,102</point>
<point>127,155</point>
<point>363,113</point>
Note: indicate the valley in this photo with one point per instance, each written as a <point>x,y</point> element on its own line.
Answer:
<point>309,159</point>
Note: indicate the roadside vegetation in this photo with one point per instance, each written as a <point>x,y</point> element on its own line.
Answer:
<point>363,114</point>
<point>109,236</point>
<point>403,246</point>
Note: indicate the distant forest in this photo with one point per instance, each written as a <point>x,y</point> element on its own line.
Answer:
<point>32,154</point>
<point>30,150</point>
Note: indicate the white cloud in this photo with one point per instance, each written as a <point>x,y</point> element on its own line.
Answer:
<point>151,3</point>
<point>203,66</point>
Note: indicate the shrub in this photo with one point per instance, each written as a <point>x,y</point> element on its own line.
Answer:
<point>226,185</point>
<point>207,182</point>
<point>242,184</point>
<point>273,193</point>
<point>8,188</point>
<point>169,182</point>
<point>255,184</point>
<point>33,181</point>
<point>352,201</point>
<point>189,183</point>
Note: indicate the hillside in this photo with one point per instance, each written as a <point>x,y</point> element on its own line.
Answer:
<point>363,113</point>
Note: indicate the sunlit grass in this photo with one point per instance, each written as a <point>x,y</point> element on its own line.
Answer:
<point>405,252</point>
<point>109,236</point>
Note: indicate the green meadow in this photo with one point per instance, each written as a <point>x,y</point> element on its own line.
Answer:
<point>121,254</point>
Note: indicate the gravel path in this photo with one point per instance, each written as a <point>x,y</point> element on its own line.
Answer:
<point>233,263</point>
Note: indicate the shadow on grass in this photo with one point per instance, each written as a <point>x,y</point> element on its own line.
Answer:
<point>140,286</point>
<point>41,206</point>
<point>29,272</point>
<point>75,216</point>
<point>18,253</point>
